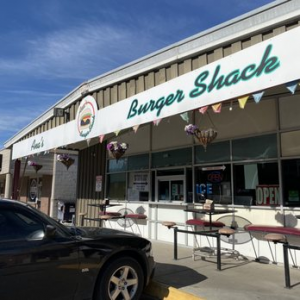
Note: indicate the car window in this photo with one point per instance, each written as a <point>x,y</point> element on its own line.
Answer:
<point>26,219</point>
<point>62,230</point>
<point>18,224</point>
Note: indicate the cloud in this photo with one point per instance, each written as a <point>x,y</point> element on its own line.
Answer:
<point>81,52</point>
<point>12,120</point>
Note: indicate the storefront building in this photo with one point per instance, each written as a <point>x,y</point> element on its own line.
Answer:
<point>239,80</point>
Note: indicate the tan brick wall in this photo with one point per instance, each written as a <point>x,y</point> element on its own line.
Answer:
<point>46,194</point>
<point>5,161</point>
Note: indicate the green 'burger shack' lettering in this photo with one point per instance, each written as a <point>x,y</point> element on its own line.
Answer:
<point>152,105</point>
<point>266,66</point>
<point>202,84</point>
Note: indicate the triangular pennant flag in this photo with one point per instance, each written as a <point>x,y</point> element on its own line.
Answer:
<point>88,142</point>
<point>291,86</point>
<point>185,117</point>
<point>243,101</point>
<point>217,107</point>
<point>117,132</point>
<point>135,128</point>
<point>258,96</point>
<point>203,109</point>
<point>101,138</point>
<point>156,122</point>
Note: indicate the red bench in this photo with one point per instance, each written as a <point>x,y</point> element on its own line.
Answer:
<point>288,236</point>
<point>273,229</point>
<point>204,223</point>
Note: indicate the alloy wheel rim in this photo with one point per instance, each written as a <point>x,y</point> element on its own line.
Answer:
<point>123,284</point>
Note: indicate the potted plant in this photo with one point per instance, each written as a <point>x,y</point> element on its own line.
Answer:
<point>66,160</point>
<point>33,164</point>
<point>116,149</point>
<point>203,136</point>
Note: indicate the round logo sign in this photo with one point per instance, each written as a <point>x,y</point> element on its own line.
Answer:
<point>86,113</point>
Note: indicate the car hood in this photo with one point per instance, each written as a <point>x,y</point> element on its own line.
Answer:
<point>96,232</point>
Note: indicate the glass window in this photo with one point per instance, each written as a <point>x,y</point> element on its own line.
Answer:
<point>116,186</point>
<point>256,184</point>
<point>213,182</point>
<point>215,152</point>
<point>15,224</point>
<point>138,162</point>
<point>291,182</point>
<point>138,186</point>
<point>114,165</point>
<point>255,148</point>
<point>170,188</point>
<point>179,157</point>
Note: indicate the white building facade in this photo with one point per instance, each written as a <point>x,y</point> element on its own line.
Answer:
<point>240,79</point>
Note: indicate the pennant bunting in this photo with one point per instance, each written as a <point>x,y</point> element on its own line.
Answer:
<point>243,101</point>
<point>101,138</point>
<point>203,109</point>
<point>291,86</point>
<point>185,116</point>
<point>135,128</point>
<point>156,122</point>
<point>217,107</point>
<point>117,132</point>
<point>88,141</point>
<point>258,96</point>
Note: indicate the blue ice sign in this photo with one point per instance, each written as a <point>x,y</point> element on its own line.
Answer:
<point>203,188</point>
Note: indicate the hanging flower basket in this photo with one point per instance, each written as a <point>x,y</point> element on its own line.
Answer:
<point>116,150</point>
<point>66,160</point>
<point>203,136</point>
<point>33,164</point>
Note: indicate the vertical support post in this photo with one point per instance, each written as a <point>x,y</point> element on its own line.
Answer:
<point>286,266</point>
<point>81,220</point>
<point>218,252</point>
<point>175,243</point>
<point>8,186</point>
<point>53,200</point>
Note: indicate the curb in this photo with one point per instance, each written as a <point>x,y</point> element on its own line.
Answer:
<point>162,291</point>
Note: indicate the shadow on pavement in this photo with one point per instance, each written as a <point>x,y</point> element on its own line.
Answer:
<point>177,276</point>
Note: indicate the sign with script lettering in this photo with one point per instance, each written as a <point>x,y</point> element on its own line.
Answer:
<point>270,63</point>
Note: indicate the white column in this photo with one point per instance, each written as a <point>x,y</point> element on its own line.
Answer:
<point>53,202</point>
<point>8,186</point>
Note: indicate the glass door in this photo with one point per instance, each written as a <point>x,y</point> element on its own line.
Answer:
<point>170,188</point>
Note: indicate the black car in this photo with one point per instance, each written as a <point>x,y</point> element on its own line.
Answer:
<point>42,259</point>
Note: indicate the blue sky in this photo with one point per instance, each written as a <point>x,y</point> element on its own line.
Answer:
<point>48,48</point>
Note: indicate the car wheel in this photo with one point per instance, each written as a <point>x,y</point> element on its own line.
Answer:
<point>121,279</point>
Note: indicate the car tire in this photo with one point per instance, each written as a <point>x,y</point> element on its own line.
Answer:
<point>122,278</point>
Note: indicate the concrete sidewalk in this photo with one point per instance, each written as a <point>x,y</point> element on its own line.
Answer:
<point>239,279</point>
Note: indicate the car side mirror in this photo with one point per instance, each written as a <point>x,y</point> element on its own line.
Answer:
<point>50,231</point>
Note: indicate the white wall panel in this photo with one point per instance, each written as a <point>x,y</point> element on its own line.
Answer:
<point>170,133</point>
<point>253,119</point>
<point>289,111</point>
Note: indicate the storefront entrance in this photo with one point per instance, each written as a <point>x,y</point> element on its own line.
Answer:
<point>170,188</point>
